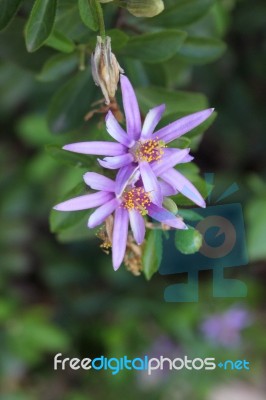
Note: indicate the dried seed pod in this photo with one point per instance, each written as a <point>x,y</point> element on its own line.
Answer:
<point>105,68</point>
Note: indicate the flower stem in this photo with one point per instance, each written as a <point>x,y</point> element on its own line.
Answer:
<point>99,12</point>
<point>82,57</point>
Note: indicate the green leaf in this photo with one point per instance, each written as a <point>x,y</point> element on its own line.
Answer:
<point>152,253</point>
<point>78,232</point>
<point>175,101</point>
<point>88,14</point>
<point>58,66</point>
<point>68,21</point>
<point>188,241</point>
<point>40,23</point>
<point>60,42</point>
<point>190,215</point>
<point>180,143</point>
<point>154,47</point>
<point>118,38</point>
<point>8,10</point>
<point>201,50</point>
<point>70,103</point>
<point>61,221</point>
<point>190,170</point>
<point>182,13</point>
<point>221,16</point>
<point>143,74</point>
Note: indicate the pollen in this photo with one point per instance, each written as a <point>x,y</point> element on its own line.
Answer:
<point>136,199</point>
<point>149,150</point>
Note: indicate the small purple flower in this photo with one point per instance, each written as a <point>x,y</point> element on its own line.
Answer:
<point>129,201</point>
<point>141,146</point>
<point>225,329</point>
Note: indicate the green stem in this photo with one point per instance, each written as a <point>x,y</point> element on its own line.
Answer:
<point>82,57</point>
<point>99,12</point>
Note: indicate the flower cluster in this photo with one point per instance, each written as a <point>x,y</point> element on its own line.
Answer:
<point>145,176</point>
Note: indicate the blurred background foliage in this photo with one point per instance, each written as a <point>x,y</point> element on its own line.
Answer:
<point>60,294</point>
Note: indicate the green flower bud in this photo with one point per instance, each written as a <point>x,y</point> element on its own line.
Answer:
<point>105,68</point>
<point>142,8</point>
<point>170,205</point>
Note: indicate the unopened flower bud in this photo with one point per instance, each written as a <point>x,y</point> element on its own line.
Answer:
<point>170,205</point>
<point>105,68</point>
<point>144,8</point>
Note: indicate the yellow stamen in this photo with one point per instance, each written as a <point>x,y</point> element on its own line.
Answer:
<point>136,199</point>
<point>149,150</point>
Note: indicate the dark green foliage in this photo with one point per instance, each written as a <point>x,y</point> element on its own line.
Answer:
<point>68,105</point>
<point>8,10</point>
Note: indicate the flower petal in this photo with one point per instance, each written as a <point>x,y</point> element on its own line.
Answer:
<point>170,158</point>
<point>99,182</point>
<point>188,158</point>
<point>84,202</point>
<point>183,125</point>
<point>96,148</point>
<point>152,119</point>
<point>166,217</point>
<point>137,225</point>
<point>116,162</point>
<point>182,184</point>
<point>100,215</point>
<point>116,131</point>
<point>131,108</point>
<point>150,183</point>
<point>167,190</point>
<point>123,176</point>
<point>120,233</point>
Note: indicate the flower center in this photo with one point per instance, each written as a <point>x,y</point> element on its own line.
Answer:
<point>136,199</point>
<point>149,150</point>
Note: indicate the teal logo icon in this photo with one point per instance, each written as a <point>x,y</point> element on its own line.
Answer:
<point>224,246</point>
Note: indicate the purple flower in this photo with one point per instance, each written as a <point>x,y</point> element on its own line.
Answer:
<point>225,328</point>
<point>129,201</point>
<point>141,146</point>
